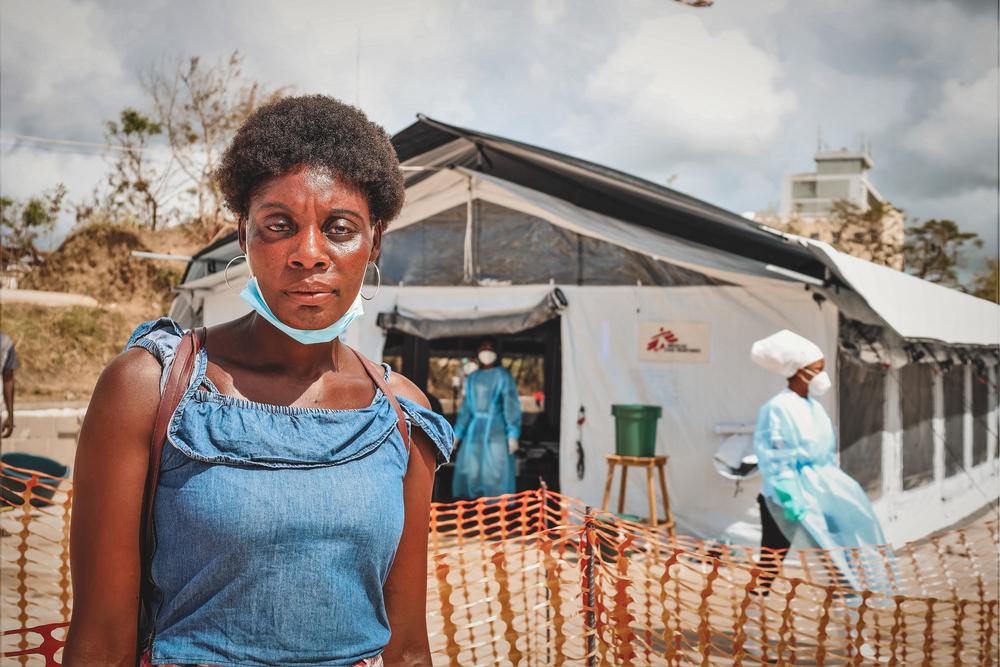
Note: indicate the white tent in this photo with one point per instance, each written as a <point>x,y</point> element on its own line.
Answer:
<point>872,318</point>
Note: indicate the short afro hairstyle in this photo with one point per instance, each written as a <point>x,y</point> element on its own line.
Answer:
<point>317,131</point>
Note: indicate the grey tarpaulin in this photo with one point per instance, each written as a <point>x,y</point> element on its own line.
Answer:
<point>517,248</point>
<point>506,323</point>
<point>428,253</point>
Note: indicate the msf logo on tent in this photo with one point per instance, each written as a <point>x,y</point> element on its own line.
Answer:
<point>663,341</point>
<point>674,341</point>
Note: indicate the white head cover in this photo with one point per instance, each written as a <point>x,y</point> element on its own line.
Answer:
<point>785,353</point>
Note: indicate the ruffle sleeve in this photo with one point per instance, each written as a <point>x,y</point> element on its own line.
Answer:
<point>160,338</point>
<point>433,425</point>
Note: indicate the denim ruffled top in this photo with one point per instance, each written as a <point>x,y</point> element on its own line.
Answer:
<point>275,526</point>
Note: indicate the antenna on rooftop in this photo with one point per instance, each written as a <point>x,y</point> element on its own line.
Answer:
<point>866,145</point>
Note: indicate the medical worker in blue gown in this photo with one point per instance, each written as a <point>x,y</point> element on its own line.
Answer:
<point>488,428</point>
<point>806,499</point>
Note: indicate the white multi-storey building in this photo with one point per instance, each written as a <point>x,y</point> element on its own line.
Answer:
<point>808,204</point>
<point>839,175</point>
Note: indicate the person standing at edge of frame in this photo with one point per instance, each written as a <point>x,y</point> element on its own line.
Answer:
<point>488,427</point>
<point>291,518</point>
<point>9,364</point>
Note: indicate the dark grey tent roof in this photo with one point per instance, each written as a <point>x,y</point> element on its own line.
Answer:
<point>603,190</point>
<point>584,184</point>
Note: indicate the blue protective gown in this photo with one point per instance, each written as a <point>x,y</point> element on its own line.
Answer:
<point>490,413</point>
<point>807,492</point>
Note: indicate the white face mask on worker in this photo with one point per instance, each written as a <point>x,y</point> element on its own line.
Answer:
<point>487,357</point>
<point>820,384</point>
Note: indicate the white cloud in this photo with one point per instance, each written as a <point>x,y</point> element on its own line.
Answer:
<point>391,58</point>
<point>961,133</point>
<point>548,12</point>
<point>711,93</point>
<point>59,68</point>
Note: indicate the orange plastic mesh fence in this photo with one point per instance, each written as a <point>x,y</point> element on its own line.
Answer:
<point>536,579</point>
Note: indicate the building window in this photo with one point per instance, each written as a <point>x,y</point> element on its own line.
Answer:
<point>804,190</point>
<point>916,393</point>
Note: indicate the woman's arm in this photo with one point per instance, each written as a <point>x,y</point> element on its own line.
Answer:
<point>405,589</point>
<point>109,476</point>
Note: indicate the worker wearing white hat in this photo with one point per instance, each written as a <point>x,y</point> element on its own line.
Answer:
<point>806,499</point>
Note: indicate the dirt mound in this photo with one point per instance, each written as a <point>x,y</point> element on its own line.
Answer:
<point>63,350</point>
<point>96,260</point>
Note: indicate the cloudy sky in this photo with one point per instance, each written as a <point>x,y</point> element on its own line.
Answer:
<point>722,102</point>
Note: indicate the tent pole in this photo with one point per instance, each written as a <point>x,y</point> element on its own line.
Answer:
<point>467,260</point>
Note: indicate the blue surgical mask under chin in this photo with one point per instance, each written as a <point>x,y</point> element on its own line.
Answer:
<point>252,296</point>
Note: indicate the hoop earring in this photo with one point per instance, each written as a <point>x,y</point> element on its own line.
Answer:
<point>225,274</point>
<point>378,288</point>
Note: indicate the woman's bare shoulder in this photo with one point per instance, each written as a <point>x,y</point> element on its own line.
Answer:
<point>404,387</point>
<point>127,395</point>
<point>134,369</point>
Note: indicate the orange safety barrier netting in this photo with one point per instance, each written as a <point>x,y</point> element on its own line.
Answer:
<point>537,578</point>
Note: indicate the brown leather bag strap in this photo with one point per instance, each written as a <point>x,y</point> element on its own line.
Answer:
<point>376,373</point>
<point>173,391</point>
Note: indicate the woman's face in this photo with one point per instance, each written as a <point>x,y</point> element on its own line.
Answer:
<point>308,239</point>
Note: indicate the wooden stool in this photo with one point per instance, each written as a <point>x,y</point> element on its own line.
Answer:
<point>647,462</point>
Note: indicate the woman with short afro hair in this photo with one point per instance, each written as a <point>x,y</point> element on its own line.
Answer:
<point>288,521</point>
<point>321,132</point>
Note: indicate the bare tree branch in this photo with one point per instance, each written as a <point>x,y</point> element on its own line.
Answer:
<point>200,107</point>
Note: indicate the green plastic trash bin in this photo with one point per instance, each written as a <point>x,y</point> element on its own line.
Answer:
<point>635,429</point>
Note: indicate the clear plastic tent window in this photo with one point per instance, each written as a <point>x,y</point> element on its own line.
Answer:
<point>512,247</point>
<point>862,421</point>
<point>917,398</point>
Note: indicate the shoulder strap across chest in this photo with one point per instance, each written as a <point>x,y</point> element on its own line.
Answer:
<point>376,373</point>
<point>173,391</point>
<point>177,383</point>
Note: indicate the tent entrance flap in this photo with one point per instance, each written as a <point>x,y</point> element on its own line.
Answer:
<point>474,323</point>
